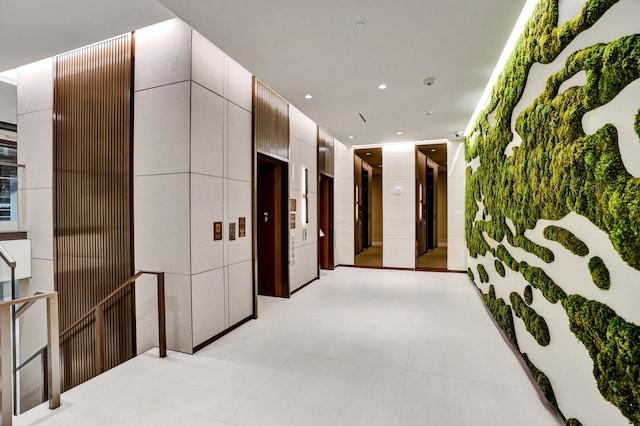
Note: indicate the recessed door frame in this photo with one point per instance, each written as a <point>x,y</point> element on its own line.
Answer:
<point>325,223</point>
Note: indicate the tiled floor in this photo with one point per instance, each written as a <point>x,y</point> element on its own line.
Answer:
<point>358,347</point>
<point>434,258</point>
<point>370,257</point>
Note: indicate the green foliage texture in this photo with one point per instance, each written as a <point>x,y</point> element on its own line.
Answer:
<point>599,273</point>
<point>499,268</point>
<point>567,239</point>
<point>543,382</point>
<point>612,343</point>
<point>534,323</point>
<point>573,422</point>
<point>558,169</point>
<point>528,295</point>
<point>502,313</point>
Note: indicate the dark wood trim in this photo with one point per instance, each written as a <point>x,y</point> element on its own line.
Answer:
<point>9,236</point>
<point>8,126</point>
<point>222,334</point>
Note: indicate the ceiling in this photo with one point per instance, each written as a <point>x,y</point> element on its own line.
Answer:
<point>301,47</point>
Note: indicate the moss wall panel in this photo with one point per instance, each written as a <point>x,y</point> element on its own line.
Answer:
<point>553,209</point>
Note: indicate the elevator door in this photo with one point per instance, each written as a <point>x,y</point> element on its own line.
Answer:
<point>273,271</point>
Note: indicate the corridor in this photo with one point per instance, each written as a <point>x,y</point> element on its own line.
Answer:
<point>358,347</point>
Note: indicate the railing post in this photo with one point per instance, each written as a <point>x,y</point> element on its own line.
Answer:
<point>99,333</point>
<point>5,365</point>
<point>53,352</point>
<point>44,360</point>
<point>162,326</point>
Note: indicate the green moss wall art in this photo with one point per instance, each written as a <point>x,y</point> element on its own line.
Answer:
<point>553,206</point>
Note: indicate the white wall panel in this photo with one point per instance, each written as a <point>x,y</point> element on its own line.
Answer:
<point>207,131</point>
<point>398,206</point>
<point>163,54</point>
<point>35,131</point>
<point>39,222</point>
<point>207,290</point>
<point>306,266</point>
<point>238,143</point>
<point>302,127</point>
<point>344,205</point>
<point>456,184</point>
<point>239,205</point>
<point>161,223</point>
<point>240,291</point>
<point>207,64</point>
<point>238,84</point>
<point>207,207</point>
<point>8,103</point>
<point>35,87</point>
<point>161,130</point>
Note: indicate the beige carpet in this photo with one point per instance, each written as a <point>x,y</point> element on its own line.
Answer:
<point>434,259</point>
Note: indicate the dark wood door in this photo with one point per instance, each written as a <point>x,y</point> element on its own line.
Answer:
<point>358,203</point>
<point>272,230</point>
<point>325,245</point>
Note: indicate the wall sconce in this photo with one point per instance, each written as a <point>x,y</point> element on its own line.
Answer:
<point>305,198</point>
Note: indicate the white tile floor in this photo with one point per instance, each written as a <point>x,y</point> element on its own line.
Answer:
<point>358,347</point>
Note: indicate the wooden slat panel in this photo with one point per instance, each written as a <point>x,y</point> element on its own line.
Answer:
<point>325,154</point>
<point>92,200</point>
<point>271,122</point>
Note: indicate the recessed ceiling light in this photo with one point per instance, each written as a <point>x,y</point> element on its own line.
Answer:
<point>360,25</point>
<point>308,96</point>
<point>380,166</point>
<point>350,137</point>
<point>433,150</point>
<point>368,153</point>
<point>431,112</point>
<point>382,86</point>
<point>399,133</point>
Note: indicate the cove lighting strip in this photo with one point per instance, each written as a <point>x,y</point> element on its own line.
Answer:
<point>526,13</point>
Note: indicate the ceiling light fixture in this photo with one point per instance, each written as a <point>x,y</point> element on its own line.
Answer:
<point>368,153</point>
<point>430,112</point>
<point>360,25</point>
<point>308,96</point>
<point>351,137</point>
<point>433,150</point>
<point>399,133</point>
<point>382,86</point>
<point>429,81</point>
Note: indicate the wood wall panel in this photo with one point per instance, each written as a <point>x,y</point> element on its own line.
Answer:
<point>271,122</point>
<point>92,199</point>
<point>325,152</point>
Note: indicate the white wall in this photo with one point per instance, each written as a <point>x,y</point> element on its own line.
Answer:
<point>456,184</point>
<point>192,167</point>
<point>35,131</point>
<point>398,206</point>
<point>8,103</point>
<point>344,205</point>
<point>303,154</point>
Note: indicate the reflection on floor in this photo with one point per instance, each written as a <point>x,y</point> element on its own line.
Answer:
<point>434,258</point>
<point>370,257</point>
<point>358,347</point>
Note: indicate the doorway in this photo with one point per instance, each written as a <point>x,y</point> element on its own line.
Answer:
<point>272,227</point>
<point>368,207</point>
<point>431,207</point>
<point>325,215</point>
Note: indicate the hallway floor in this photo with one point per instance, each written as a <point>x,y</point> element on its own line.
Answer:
<point>358,347</point>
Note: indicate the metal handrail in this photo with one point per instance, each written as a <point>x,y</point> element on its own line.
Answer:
<point>6,257</point>
<point>6,164</point>
<point>98,310</point>
<point>53,353</point>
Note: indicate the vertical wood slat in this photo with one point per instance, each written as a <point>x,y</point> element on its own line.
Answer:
<point>325,152</point>
<point>92,200</point>
<point>271,122</point>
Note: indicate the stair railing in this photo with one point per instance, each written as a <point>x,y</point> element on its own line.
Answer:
<point>7,310</point>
